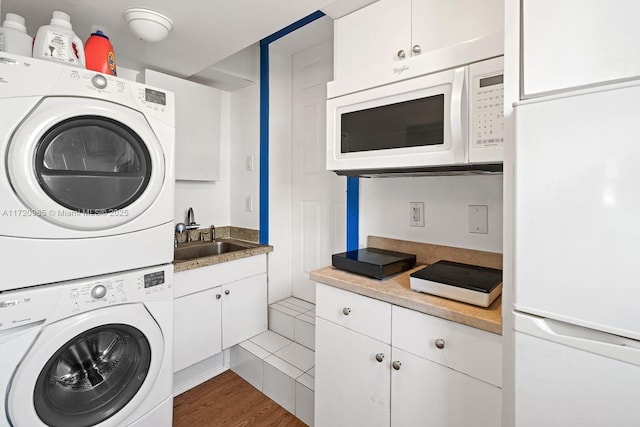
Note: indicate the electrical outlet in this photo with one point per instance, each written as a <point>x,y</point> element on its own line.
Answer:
<point>478,219</point>
<point>248,204</point>
<point>416,214</point>
<point>249,163</point>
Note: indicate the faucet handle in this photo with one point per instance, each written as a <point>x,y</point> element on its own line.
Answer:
<point>213,232</point>
<point>180,227</point>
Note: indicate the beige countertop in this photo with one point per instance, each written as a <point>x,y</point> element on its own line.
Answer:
<point>252,249</point>
<point>396,290</point>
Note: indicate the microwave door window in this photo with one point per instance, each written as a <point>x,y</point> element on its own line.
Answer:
<point>414,123</point>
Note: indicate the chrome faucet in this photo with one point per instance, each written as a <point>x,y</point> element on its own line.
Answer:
<point>191,220</point>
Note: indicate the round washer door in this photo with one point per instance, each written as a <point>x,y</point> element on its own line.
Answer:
<point>86,164</point>
<point>93,369</point>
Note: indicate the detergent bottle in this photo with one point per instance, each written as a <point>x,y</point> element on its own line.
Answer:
<point>58,42</point>
<point>14,37</point>
<point>98,52</point>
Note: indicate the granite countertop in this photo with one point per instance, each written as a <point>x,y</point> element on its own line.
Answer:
<point>252,249</point>
<point>396,290</point>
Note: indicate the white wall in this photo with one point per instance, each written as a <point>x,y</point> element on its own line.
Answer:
<point>280,190</point>
<point>209,200</point>
<point>245,141</point>
<point>384,209</point>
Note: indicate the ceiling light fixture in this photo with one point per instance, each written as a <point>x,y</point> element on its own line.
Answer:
<point>148,25</point>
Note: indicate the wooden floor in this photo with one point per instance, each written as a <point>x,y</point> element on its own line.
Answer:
<point>228,400</point>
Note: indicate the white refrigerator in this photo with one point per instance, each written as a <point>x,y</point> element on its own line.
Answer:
<point>577,259</point>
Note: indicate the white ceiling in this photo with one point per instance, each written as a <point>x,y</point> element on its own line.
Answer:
<point>205,31</point>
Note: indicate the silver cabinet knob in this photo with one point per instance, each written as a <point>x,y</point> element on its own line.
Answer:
<point>379,357</point>
<point>396,365</point>
<point>440,343</point>
<point>346,311</point>
<point>218,296</point>
<point>227,291</point>
<point>401,54</point>
<point>416,49</point>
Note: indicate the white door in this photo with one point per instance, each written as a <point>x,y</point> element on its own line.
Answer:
<point>197,327</point>
<point>426,394</point>
<point>352,387</point>
<point>244,309</point>
<point>572,376</point>
<point>576,186</point>
<point>319,196</point>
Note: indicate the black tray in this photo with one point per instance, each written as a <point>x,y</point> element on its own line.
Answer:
<point>373,262</point>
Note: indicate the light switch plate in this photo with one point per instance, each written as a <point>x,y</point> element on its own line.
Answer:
<point>249,163</point>
<point>478,219</point>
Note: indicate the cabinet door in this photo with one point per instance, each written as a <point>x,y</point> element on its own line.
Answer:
<point>426,394</point>
<point>198,118</point>
<point>197,333</point>
<point>352,388</point>
<point>437,24</point>
<point>244,309</point>
<point>367,41</point>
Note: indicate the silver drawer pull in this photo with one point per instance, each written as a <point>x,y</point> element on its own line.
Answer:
<point>396,365</point>
<point>401,54</point>
<point>379,357</point>
<point>440,343</point>
<point>218,296</point>
<point>227,292</point>
<point>346,311</point>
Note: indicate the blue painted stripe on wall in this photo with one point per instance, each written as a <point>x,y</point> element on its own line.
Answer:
<point>353,207</point>
<point>264,144</point>
<point>264,118</point>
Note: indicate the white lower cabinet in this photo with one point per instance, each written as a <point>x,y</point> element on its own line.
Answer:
<point>196,328</point>
<point>244,309</point>
<point>217,307</point>
<point>352,387</point>
<point>425,393</point>
<point>427,372</point>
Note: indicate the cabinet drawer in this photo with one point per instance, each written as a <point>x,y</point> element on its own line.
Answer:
<point>469,350</point>
<point>366,315</point>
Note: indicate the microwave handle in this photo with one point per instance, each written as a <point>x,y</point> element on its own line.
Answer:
<point>458,114</point>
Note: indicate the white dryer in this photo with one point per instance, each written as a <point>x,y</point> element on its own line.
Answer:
<point>89,352</point>
<point>86,173</point>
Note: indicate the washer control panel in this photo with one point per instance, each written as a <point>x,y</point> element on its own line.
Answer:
<point>56,301</point>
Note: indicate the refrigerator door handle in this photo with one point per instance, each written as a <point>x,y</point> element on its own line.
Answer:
<point>591,340</point>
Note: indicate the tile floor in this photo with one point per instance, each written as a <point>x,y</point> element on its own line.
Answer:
<point>280,362</point>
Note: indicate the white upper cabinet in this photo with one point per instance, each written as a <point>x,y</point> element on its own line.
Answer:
<point>198,121</point>
<point>367,42</point>
<point>392,40</point>
<point>575,43</point>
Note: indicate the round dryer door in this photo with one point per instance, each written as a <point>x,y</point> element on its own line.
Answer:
<point>89,370</point>
<point>86,164</point>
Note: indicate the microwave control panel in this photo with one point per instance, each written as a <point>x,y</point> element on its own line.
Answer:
<point>488,110</point>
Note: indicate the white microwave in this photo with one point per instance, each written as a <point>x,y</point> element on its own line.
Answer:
<point>446,122</point>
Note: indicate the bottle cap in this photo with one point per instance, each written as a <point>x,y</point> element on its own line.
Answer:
<point>14,21</point>
<point>61,19</point>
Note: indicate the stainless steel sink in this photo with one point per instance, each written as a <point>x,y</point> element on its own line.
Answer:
<point>205,249</point>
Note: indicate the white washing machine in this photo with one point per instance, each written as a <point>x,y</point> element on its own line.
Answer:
<point>86,173</point>
<point>89,352</point>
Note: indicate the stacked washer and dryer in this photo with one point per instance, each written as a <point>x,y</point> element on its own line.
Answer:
<point>86,226</point>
